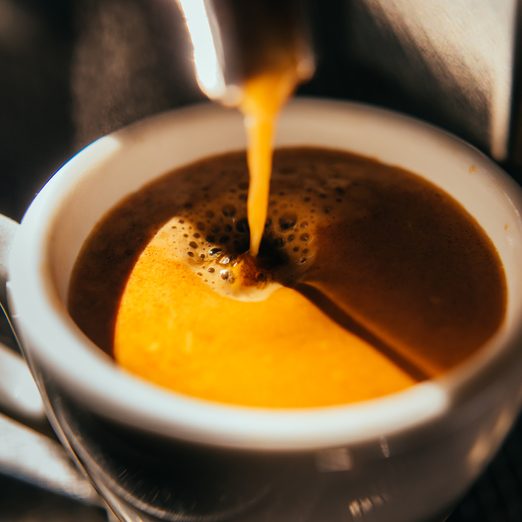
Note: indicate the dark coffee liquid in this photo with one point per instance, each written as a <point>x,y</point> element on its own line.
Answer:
<point>380,250</point>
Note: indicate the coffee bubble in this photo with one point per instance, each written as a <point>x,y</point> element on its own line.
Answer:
<point>229,210</point>
<point>210,228</point>
<point>287,221</point>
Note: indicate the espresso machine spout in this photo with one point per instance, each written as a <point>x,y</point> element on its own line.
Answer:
<point>234,40</point>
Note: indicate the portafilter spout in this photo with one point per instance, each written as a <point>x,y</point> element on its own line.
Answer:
<point>235,40</point>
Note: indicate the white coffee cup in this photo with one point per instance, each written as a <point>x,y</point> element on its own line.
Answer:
<point>407,456</point>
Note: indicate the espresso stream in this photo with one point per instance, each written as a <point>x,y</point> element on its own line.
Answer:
<point>264,95</point>
<point>368,279</point>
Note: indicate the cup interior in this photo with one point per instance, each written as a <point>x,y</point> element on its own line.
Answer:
<point>67,209</point>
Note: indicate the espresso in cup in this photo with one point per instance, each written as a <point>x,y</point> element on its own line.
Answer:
<point>368,280</point>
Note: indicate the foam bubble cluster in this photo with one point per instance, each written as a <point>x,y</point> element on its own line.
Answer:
<point>210,231</point>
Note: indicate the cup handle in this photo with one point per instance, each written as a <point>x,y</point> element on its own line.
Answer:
<point>25,453</point>
<point>18,392</point>
<point>7,232</point>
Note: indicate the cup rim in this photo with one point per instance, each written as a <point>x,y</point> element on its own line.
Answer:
<point>132,401</point>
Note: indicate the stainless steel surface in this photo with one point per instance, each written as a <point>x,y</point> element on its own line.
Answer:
<point>454,58</point>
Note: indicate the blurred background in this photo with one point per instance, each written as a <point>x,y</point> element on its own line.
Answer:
<point>73,70</point>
